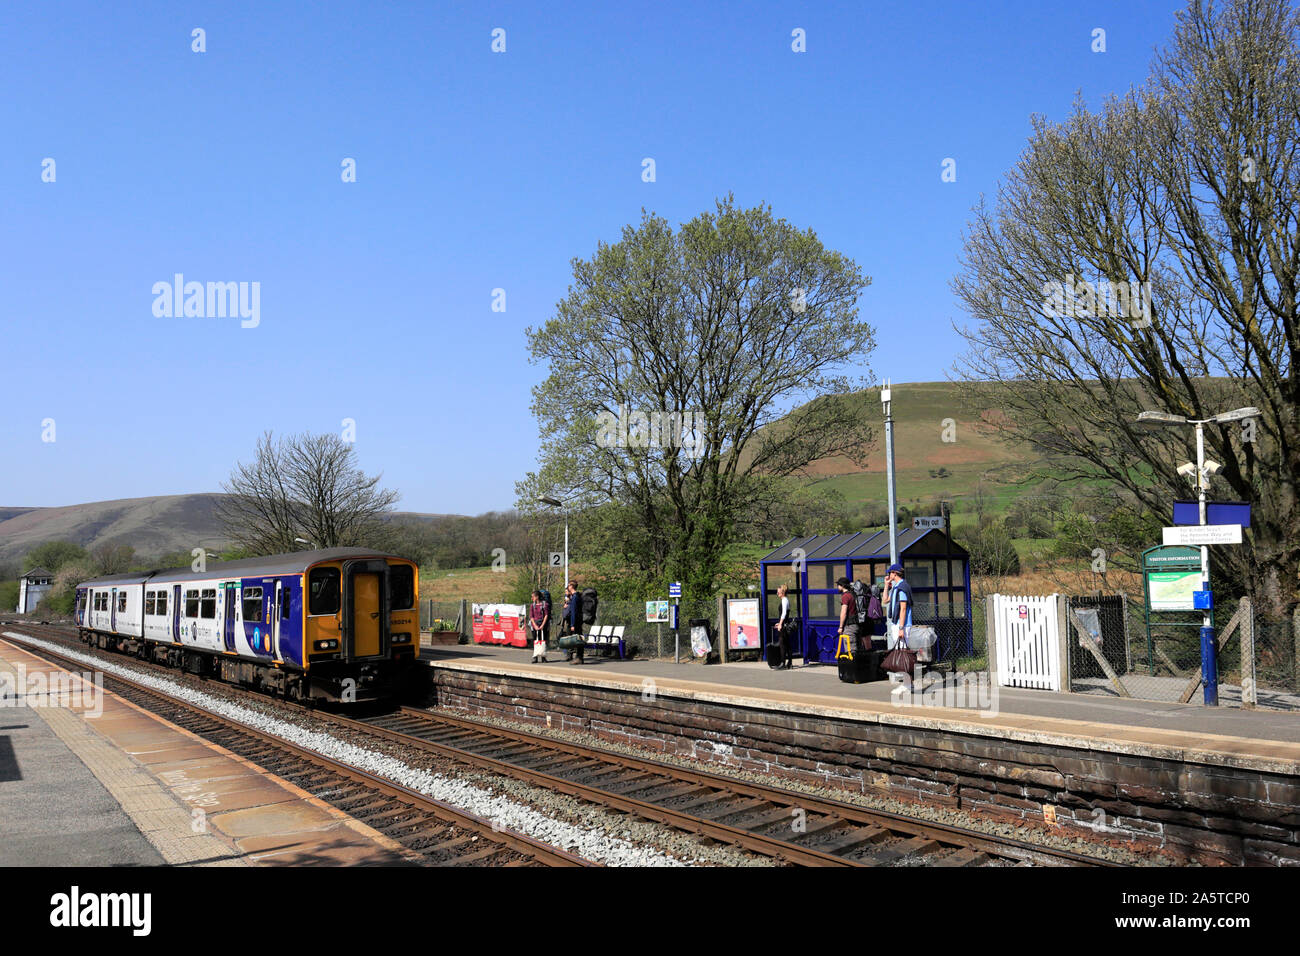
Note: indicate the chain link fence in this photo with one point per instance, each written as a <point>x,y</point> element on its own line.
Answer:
<point>962,645</point>
<point>656,640</point>
<point>1118,650</point>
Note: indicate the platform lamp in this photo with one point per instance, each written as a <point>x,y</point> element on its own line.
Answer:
<point>559,503</point>
<point>1200,476</point>
<point>310,544</point>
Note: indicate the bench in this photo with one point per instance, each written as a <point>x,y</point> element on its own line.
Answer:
<point>607,635</point>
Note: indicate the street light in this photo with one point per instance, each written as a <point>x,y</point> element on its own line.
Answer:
<point>559,503</point>
<point>311,544</point>
<point>886,394</point>
<point>1200,476</point>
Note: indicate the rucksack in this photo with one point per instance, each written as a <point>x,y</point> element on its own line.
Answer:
<point>874,610</point>
<point>860,600</point>
<point>589,599</point>
<point>545,595</point>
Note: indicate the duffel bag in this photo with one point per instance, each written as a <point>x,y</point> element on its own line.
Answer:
<point>571,641</point>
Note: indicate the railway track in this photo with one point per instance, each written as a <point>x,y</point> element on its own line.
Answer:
<point>438,832</point>
<point>791,827</point>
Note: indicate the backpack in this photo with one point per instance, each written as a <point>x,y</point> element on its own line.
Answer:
<point>589,600</point>
<point>874,610</point>
<point>545,595</point>
<point>860,600</point>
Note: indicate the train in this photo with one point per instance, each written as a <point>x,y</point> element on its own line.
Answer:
<point>338,624</point>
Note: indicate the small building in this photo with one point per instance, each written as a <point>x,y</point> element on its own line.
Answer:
<point>937,569</point>
<point>33,586</point>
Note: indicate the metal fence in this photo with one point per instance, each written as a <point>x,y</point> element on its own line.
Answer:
<point>1114,653</point>
<point>441,615</point>
<point>656,640</point>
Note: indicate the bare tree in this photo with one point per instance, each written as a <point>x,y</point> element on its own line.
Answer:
<point>304,486</point>
<point>1187,193</point>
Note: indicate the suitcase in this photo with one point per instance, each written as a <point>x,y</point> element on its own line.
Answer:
<point>862,668</point>
<point>775,655</point>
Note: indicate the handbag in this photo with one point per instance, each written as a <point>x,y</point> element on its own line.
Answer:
<point>900,660</point>
<point>539,648</point>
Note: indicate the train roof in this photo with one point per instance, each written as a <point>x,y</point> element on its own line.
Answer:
<point>295,562</point>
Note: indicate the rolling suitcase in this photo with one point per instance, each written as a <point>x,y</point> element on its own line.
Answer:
<point>857,666</point>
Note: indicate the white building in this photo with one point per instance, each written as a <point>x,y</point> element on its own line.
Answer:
<point>33,586</point>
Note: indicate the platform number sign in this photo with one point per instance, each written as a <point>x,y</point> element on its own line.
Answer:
<point>675,589</point>
<point>557,559</point>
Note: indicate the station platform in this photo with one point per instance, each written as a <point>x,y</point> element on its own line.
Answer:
<point>1271,737</point>
<point>90,779</point>
<point>1193,784</point>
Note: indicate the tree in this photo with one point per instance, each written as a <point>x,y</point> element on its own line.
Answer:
<point>53,555</point>
<point>303,486</point>
<point>1147,256</point>
<point>109,558</point>
<point>673,362</point>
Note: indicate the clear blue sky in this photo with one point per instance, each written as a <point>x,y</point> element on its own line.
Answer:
<point>475,171</point>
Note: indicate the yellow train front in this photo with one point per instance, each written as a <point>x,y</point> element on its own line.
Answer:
<point>338,624</point>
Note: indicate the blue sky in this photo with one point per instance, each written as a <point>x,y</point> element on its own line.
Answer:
<point>475,171</point>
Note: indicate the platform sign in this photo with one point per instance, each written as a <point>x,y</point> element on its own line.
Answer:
<point>557,559</point>
<point>1196,535</point>
<point>675,589</point>
<point>656,612</point>
<point>927,524</point>
<point>1216,512</point>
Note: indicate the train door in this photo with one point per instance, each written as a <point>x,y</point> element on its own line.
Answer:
<point>112,610</point>
<point>229,624</point>
<point>176,613</point>
<point>273,622</point>
<point>365,612</point>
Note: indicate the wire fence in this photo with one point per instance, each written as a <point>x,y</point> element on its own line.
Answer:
<point>1125,651</point>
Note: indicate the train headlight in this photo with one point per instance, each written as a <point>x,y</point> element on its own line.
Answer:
<point>327,645</point>
<point>402,638</point>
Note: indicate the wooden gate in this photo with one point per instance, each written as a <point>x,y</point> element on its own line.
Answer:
<point>1027,642</point>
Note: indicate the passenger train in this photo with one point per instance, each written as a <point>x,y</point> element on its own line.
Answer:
<point>340,624</point>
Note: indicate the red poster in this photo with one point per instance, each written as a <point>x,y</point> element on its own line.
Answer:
<point>500,624</point>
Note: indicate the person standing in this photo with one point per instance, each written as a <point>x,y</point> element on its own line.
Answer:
<point>898,610</point>
<point>782,626</point>
<point>848,616</point>
<point>573,621</point>
<point>539,622</point>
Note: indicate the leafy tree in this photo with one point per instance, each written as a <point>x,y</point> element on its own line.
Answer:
<point>52,555</point>
<point>1188,188</point>
<point>673,363</point>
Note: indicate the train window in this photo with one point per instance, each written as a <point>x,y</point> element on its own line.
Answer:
<point>324,584</point>
<point>401,587</point>
<point>191,603</point>
<point>148,603</point>
<point>81,603</point>
<point>208,603</point>
<point>121,602</point>
<point>161,606</point>
<point>286,601</point>
<point>253,605</point>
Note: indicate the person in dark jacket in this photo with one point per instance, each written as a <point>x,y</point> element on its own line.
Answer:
<point>573,621</point>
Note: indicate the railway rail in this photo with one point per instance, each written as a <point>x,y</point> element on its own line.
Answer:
<point>438,832</point>
<point>791,827</point>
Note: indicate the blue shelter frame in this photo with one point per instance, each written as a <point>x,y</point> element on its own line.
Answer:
<point>937,569</point>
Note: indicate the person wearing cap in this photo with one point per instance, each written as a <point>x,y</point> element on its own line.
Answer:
<point>898,604</point>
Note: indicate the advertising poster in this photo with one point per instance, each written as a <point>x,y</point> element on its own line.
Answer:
<point>501,624</point>
<point>656,612</point>
<point>1172,590</point>
<point>742,624</point>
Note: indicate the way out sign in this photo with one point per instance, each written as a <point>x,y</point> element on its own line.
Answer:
<point>926,524</point>
<point>1196,535</point>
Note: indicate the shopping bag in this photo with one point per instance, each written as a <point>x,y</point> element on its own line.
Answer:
<point>539,648</point>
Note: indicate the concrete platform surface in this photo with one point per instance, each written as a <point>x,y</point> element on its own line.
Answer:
<point>1259,738</point>
<point>89,779</point>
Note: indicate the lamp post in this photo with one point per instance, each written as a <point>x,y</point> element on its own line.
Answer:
<point>1209,650</point>
<point>310,544</point>
<point>559,503</point>
<point>885,400</point>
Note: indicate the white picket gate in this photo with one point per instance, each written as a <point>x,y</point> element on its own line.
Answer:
<point>1027,647</point>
